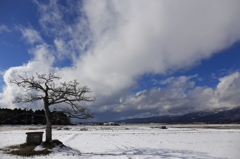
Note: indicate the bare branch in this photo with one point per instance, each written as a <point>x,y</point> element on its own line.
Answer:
<point>27,98</point>
<point>68,92</point>
<point>46,89</point>
<point>80,114</point>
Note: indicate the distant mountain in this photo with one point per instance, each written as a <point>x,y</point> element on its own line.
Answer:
<point>211,116</point>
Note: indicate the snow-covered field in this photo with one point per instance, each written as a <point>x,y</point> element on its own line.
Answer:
<point>132,141</point>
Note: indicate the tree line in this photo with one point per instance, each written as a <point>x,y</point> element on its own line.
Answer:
<point>28,117</point>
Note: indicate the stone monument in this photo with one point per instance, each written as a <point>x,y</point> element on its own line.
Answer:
<point>34,137</point>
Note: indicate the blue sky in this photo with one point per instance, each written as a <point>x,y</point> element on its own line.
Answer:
<point>173,58</point>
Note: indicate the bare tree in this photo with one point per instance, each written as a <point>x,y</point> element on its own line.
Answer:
<point>44,87</point>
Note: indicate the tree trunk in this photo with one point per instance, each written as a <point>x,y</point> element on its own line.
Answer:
<point>49,121</point>
<point>49,131</point>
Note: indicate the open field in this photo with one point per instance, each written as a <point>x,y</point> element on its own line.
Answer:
<point>134,141</point>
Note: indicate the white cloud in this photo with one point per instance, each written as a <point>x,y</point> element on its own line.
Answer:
<point>181,79</point>
<point>2,72</point>
<point>4,28</point>
<point>61,47</point>
<point>114,43</point>
<point>51,16</point>
<point>141,37</point>
<point>227,90</point>
<point>41,63</point>
<point>31,36</point>
<point>68,27</point>
<point>180,99</point>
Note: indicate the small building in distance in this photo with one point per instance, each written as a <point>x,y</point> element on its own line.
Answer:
<point>111,124</point>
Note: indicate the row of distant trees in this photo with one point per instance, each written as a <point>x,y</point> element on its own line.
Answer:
<point>28,116</point>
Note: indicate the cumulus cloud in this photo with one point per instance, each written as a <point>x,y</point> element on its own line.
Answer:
<point>227,90</point>
<point>113,43</point>
<point>138,37</point>
<point>41,63</point>
<point>183,97</point>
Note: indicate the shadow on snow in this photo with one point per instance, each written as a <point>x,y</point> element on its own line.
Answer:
<point>148,153</point>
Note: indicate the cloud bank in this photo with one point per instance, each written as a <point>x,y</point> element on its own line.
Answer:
<point>113,43</point>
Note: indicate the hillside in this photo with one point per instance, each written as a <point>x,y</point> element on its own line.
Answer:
<point>211,116</point>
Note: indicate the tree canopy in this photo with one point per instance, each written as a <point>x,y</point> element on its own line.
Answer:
<point>51,91</point>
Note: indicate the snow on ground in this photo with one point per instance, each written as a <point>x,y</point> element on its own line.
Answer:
<point>131,142</point>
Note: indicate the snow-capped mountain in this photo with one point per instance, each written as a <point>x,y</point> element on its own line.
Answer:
<point>218,115</point>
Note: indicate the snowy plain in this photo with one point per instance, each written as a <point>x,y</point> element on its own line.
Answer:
<point>132,141</point>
